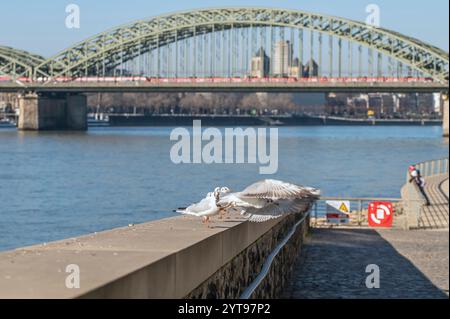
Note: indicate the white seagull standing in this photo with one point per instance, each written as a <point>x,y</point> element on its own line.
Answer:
<point>207,207</point>
<point>269,199</point>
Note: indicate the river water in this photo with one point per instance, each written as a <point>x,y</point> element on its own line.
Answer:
<point>60,185</point>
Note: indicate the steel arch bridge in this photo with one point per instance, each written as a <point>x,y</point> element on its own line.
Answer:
<point>221,43</point>
<point>18,63</point>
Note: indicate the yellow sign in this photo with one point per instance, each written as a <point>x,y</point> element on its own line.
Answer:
<point>338,212</point>
<point>344,208</point>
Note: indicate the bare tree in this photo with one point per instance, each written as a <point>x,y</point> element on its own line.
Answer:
<point>191,103</point>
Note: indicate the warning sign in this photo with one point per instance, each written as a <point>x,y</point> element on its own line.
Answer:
<point>338,212</point>
<point>344,207</point>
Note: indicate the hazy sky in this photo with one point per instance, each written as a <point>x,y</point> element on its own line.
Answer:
<point>39,25</point>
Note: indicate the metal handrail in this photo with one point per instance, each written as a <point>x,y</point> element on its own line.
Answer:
<point>432,167</point>
<point>364,199</point>
<point>427,169</point>
<point>248,292</point>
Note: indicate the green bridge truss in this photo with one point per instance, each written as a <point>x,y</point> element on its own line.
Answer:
<point>111,49</point>
<point>17,63</point>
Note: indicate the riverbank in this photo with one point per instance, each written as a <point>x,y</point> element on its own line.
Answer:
<point>247,120</point>
<point>137,120</point>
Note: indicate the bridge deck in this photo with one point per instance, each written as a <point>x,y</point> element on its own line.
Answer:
<point>413,264</point>
<point>92,87</point>
<point>437,215</point>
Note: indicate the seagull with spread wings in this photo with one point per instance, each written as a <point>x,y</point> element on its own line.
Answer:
<point>269,199</point>
<point>259,202</point>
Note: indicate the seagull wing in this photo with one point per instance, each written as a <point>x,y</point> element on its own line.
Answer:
<point>273,189</point>
<point>235,200</point>
<point>277,209</point>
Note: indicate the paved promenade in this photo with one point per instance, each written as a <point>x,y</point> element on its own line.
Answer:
<point>437,215</point>
<point>413,264</point>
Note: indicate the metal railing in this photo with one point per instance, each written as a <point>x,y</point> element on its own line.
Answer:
<point>431,168</point>
<point>357,210</point>
<point>248,292</point>
<point>412,198</point>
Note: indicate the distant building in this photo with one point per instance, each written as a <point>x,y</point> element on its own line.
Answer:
<point>381,105</point>
<point>425,104</point>
<point>282,59</point>
<point>8,102</point>
<point>260,64</point>
<point>437,103</point>
<point>407,103</point>
<point>336,103</point>
<point>315,69</point>
<point>376,104</point>
<point>360,106</point>
<point>415,103</point>
<point>295,70</point>
<point>388,104</point>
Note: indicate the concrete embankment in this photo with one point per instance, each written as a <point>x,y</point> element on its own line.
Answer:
<point>246,120</point>
<point>170,258</point>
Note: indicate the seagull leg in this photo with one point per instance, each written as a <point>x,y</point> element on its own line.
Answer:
<point>224,210</point>
<point>222,213</point>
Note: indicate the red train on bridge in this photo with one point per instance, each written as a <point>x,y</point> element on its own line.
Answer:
<point>156,80</point>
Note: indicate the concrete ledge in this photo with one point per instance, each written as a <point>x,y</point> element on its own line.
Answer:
<point>169,258</point>
<point>412,203</point>
<point>445,111</point>
<point>230,281</point>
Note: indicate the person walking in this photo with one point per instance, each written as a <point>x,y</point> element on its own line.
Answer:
<point>420,182</point>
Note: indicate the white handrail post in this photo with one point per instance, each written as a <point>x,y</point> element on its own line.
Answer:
<point>360,213</point>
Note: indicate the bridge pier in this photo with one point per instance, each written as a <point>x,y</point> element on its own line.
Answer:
<point>445,115</point>
<point>52,112</point>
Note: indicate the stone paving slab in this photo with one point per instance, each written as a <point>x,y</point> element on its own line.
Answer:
<point>437,215</point>
<point>427,250</point>
<point>413,264</point>
<point>445,187</point>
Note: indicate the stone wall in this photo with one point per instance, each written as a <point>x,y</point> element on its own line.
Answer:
<point>412,203</point>
<point>230,281</point>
